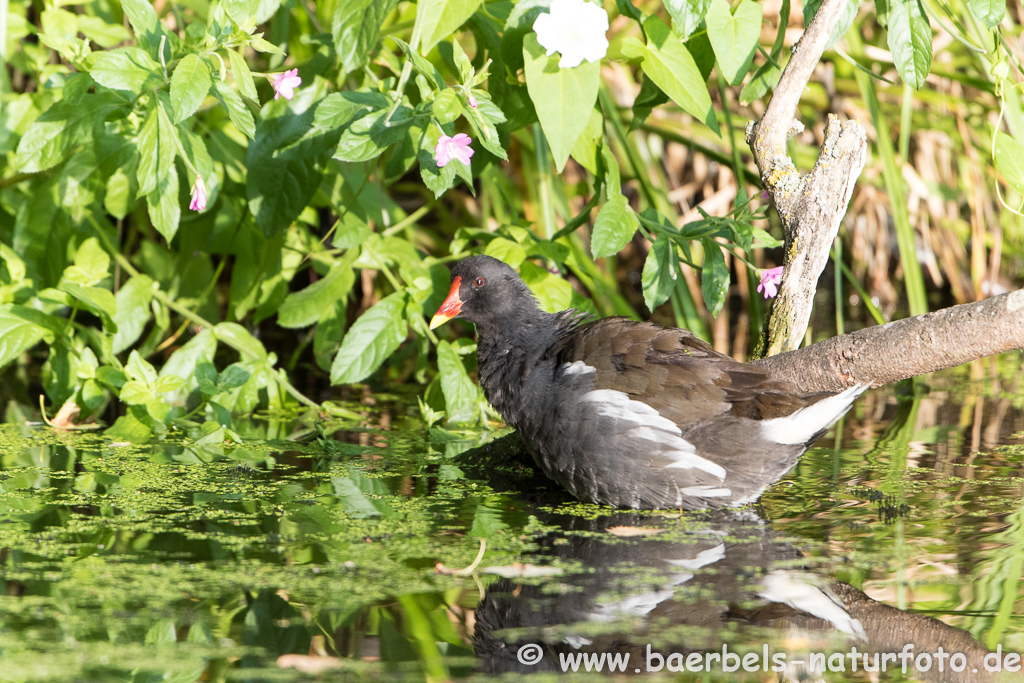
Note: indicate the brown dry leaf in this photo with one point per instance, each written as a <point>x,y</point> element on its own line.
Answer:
<point>307,664</point>
<point>66,416</point>
<point>631,531</point>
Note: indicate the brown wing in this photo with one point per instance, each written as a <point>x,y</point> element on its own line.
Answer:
<point>678,374</point>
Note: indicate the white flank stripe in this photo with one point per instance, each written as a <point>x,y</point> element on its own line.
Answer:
<point>651,426</point>
<point>613,403</point>
<point>799,427</point>
<point>685,460</point>
<point>577,368</point>
<point>662,437</point>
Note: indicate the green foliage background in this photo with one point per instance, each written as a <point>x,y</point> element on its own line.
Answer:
<point>329,226</point>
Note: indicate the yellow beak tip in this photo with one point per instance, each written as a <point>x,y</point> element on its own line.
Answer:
<point>438,320</point>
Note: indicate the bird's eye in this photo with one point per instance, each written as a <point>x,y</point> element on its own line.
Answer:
<point>479,282</point>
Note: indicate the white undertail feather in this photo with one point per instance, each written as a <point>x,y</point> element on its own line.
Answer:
<point>801,426</point>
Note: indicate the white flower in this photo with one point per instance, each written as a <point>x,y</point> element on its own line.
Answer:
<point>574,28</point>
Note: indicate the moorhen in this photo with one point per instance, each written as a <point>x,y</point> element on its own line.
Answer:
<point>632,414</point>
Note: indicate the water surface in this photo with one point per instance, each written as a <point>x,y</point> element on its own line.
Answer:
<point>337,556</point>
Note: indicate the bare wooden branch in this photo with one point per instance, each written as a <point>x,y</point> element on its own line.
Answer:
<point>811,207</point>
<point>906,348</point>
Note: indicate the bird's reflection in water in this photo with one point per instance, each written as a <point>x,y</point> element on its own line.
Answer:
<point>632,587</point>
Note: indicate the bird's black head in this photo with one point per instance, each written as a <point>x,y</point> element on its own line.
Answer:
<point>485,291</point>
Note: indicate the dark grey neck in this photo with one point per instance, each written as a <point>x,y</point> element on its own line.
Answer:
<point>509,350</point>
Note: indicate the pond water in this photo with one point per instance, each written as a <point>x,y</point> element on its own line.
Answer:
<point>352,550</point>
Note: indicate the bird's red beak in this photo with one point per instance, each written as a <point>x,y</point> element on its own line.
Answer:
<point>450,308</point>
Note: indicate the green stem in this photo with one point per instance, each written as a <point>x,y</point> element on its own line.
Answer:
<point>737,158</point>
<point>409,220</point>
<point>414,44</point>
<point>611,112</point>
<point>540,146</point>
<point>580,218</point>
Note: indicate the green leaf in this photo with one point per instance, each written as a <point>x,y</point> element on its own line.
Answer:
<point>132,311</point>
<point>183,362</point>
<point>563,97</point>
<point>1010,160</point>
<point>17,335</point>
<point>483,120</point>
<point>163,205</point>
<point>714,277</point>
<point>97,300</point>
<point>660,272</point>
<point>668,63</point>
<point>337,109</point>
<point>237,111</point>
<point>286,160</point>
<point>910,41</point>
<point>59,130</point>
<point>506,250</point>
<point>991,12</point>
<point>686,15</point>
<point>157,149</point>
<point>356,29</point>
<point>372,338</point>
<point>111,376</point>
<point>143,19</point>
<point>240,11</point>
<point>126,68</point>
<point>243,77</point>
<point>240,339</point>
<point>734,35</point>
<point>167,383</point>
<point>136,393</point>
<point>649,97</point>
<point>422,65</point>
<point>446,106</point>
<point>92,263</point>
<point>138,368</point>
<point>233,377</point>
<point>462,63</point>
<point>553,293</point>
<point>100,32</point>
<point>190,84</point>
<point>303,308</point>
<point>460,394</point>
<point>440,18</point>
<point>614,227</point>
<point>584,152</point>
<point>368,137</point>
<point>764,79</point>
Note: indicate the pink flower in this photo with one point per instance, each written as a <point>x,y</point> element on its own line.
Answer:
<point>198,202</point>
<point>770,280</point>
<point>286,83</point>
<point>453,148</point>
<point>472,102</point>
